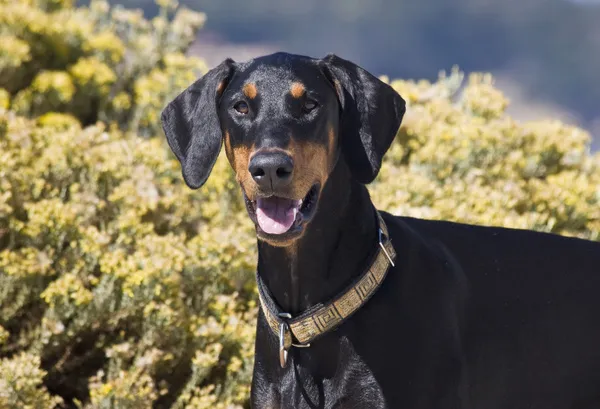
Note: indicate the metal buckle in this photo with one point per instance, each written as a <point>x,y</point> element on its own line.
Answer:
<point>283,351</point>
<point>383,248</point>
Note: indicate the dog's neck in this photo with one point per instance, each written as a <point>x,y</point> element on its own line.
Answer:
<point>331,253</point>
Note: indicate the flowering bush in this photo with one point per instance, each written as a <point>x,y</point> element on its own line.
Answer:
<point>460,157</point>
<point>95,63</point>
<point>125,285</point>
<point>122,288</point>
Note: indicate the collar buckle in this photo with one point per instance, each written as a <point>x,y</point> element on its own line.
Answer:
<point>283,348</point>
<point>284,328</point>
<point>283,351</point>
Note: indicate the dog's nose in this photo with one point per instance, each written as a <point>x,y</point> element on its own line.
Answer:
<point>271,170</point>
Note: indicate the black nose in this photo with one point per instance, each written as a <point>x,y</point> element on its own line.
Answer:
<point>271,170</point>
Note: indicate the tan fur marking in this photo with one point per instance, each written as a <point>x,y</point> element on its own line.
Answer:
<point>240,160</point>
<point>241,157</point>
<point>311,165</point>
<point>332,145</point>
<point>228,150</point>
<point>221,87</point>
<point>250,90</point>
<point>291,250</point>
<point>331,137</point>
<point>297,89</point>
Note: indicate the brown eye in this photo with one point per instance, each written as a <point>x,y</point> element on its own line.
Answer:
<point>241,107</point>
<point>309,105</point>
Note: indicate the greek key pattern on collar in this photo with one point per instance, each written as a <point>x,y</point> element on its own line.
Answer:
<point>307,327</point>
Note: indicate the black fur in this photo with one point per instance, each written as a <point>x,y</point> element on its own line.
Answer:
<point>470,317</point>
<point>371,115</point>
<point>191,125</point>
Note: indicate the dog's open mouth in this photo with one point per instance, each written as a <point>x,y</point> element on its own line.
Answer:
<point>276,215</point>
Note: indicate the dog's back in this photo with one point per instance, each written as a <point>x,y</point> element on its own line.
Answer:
<point>531,326</point>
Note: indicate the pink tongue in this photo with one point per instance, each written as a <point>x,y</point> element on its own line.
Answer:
<point>276,215</point>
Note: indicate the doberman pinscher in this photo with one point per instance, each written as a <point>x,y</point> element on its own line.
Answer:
<point>362,309</point>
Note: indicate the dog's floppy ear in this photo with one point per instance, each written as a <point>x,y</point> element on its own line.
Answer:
<point>192,125</point>
<point>371,115</point>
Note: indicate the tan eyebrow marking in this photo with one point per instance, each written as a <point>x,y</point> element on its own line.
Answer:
<point>297,89</point>
<point>331,135</point>
<point>228,150</point>
<point>250,90</point>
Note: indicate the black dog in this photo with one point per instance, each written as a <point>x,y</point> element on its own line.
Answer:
<point>449,316</point>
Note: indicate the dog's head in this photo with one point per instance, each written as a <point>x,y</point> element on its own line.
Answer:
<point>285,120</point>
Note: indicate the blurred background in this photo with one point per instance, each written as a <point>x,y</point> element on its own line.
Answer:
<point>544,54</point>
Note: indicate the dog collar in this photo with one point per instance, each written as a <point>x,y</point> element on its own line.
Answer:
<point>322,318</point>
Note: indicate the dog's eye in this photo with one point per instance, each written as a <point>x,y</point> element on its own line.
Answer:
<point>241,107</point>
<point>309,105</point>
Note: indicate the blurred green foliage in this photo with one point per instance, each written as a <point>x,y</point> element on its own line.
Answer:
<point>122,288</point>
<point>460,157</point>
<point>96,62</point>
<point>124,284</point>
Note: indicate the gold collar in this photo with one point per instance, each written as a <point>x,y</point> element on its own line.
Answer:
<point>322,318</point>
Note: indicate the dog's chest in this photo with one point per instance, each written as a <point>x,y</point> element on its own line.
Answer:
<point>347,385</point>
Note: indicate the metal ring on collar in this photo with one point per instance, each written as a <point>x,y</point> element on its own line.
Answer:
<point>383,248</point>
